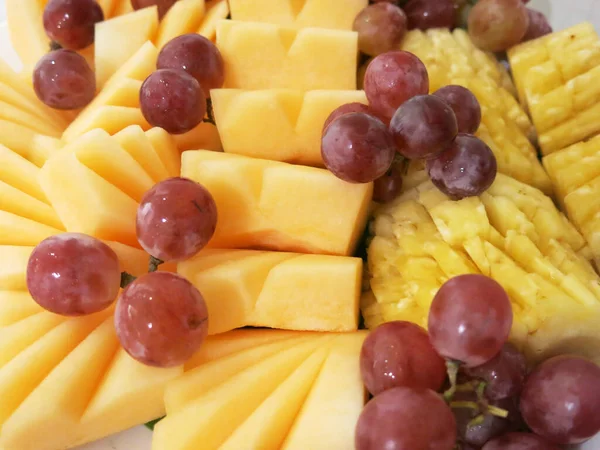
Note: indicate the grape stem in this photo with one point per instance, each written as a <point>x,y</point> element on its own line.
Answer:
<point>452,369</point>
<point>493,410</point>
<point>126,279</point>
<point>154,263</point>
<point>210,115</point>
<point>54,46</point>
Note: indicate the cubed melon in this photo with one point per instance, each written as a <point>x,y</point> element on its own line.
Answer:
<point>185,16</point>
<point>278,206</point>
<point>294,119</point>
<point>299,13</point>
<point>266,56</point>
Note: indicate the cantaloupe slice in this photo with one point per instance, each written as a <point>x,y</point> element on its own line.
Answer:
<point>265,56</point>
<point>215,11</point>
<point>122,7</point>
<point>20,173</point>
<point>14,201</point>
<point>165,147</point>
<point>12,97</point>
<point>294,119</point>
<point>34,147</point>
<point>204,136</point>
<point>134,141</point>
<point>185,16</point>
<point>299,13</point>
<point>17,230</point>
<point>16,306</point>
<point>279,206</point>
<point>26,29</point>
<point>18,116</point>
<point>120,38</point>
<point>12,266</point>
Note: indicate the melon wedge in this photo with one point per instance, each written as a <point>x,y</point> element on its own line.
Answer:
<point>34,147</point>
<point>16,306</point>
<point>216,10</point>
<point>19,173</point>
<point>17,230</point>
<point>185,16</point>
<point>17,202</point>
<point>12,266</point>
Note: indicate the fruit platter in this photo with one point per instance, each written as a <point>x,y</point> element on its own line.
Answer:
<point>299,224</point>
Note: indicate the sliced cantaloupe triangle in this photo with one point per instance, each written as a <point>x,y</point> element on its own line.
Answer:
<point>34,147</point>
<point>98,151</point>
<point>270,423</point>
<point>134,141</point>
<point>16,230</point>
<point>226,344</point>
<point>335,401</point>
<point>95,207</point>
<point>25,372</point>
<point>221,410</point>
<point>16,115</point>
<point>14,201</point>
<point>185,16</point>
<point>16,99</point>
<point>195,383</point>
<point>166,148</point>
<point>20,173</point>
<point>130,394</point>
<point>141,64</point>
<point>49,417</point>
<point>16,306</point>
<point>13,266</point>
<point>119,38</point>
<point>111,119</point>
<point>216,10</point>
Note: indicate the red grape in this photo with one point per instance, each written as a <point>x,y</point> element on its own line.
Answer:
<point>176,219</point>
<point>497,25</point>
<point>406,418</point>
<point>388,186</point>
<point>466,168</point>
<point>391,79</point>
<point>73,274</point>
<point>425,14</point>
<point>196,55</point>
<point>381,28</point>
<point>161,319</point>
<point>561,400</point>
<point>357,148</point>
<point>71,23</point>
<point>423,127</point>
<point>538,25</point>
<point>465,106</point>
<point>163,5</point>
<point>399,354</point>
<point>470,319</point>
<point>345,109</point>
<point>173,100</point>
<point>519,441</point>
<point>62,79</point>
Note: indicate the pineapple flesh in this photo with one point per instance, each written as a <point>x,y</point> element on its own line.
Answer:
<point>512,233</point>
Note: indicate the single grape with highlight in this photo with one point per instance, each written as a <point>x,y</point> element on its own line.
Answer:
<point>71,23</point>
<point>381,28</point>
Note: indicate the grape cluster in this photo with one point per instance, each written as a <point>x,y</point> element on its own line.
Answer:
<point>463,386</point>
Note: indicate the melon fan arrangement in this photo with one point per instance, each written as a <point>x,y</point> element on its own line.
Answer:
<point>278,224</point>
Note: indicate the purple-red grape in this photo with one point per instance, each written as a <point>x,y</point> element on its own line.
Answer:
<point>357,148</point>
<point>63,79</point>
<point>399,354</point>
<point>173,100</point>
<point>381,28</point>
<point>470,319</point>
<point>465,106</point>
<point>423,127</point>
<point>466,168</point>
<point>504,374</point>
<point>163,5</point>
<point>71,23</point>
<point>405,418</point>
<point>497,25</point>
<point>519,441</point>
<point>161,319</point>
<point>426,14</point>
<point>561,400</point>
<point>388,186</point>
<point>176,219</point>
<point>391,79</point>
<point>73,274</point>
<point>198,56</point>
<point>346,109</point>
<point>538,25</point>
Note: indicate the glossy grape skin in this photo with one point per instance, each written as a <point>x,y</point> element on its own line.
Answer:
<point>381,28</point>
<point>497,25</point>
<point>388,186</point>
<point>346,109</point>
<point>465,106</point>
<point>357,148</point>
<point>163,5</point>
<point>406,418</point>
<point>62,79</point>
<point>423,127</point>
<point>538,25</point>
<point>466,168</point>
<point>176,219</point>
<point>426,14</point>
<point>470,319</point>
<point>161,319</point>
<point>71,23</point>
<point>519,441</point>
<point>561,400</point>
<point>391,79</point>
<point>398,354</point>
<point>198,56</point>
<point>173,100</point>
<point>73,274</point>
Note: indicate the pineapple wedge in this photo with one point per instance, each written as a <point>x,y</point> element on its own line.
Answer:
<point>512,233</point>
